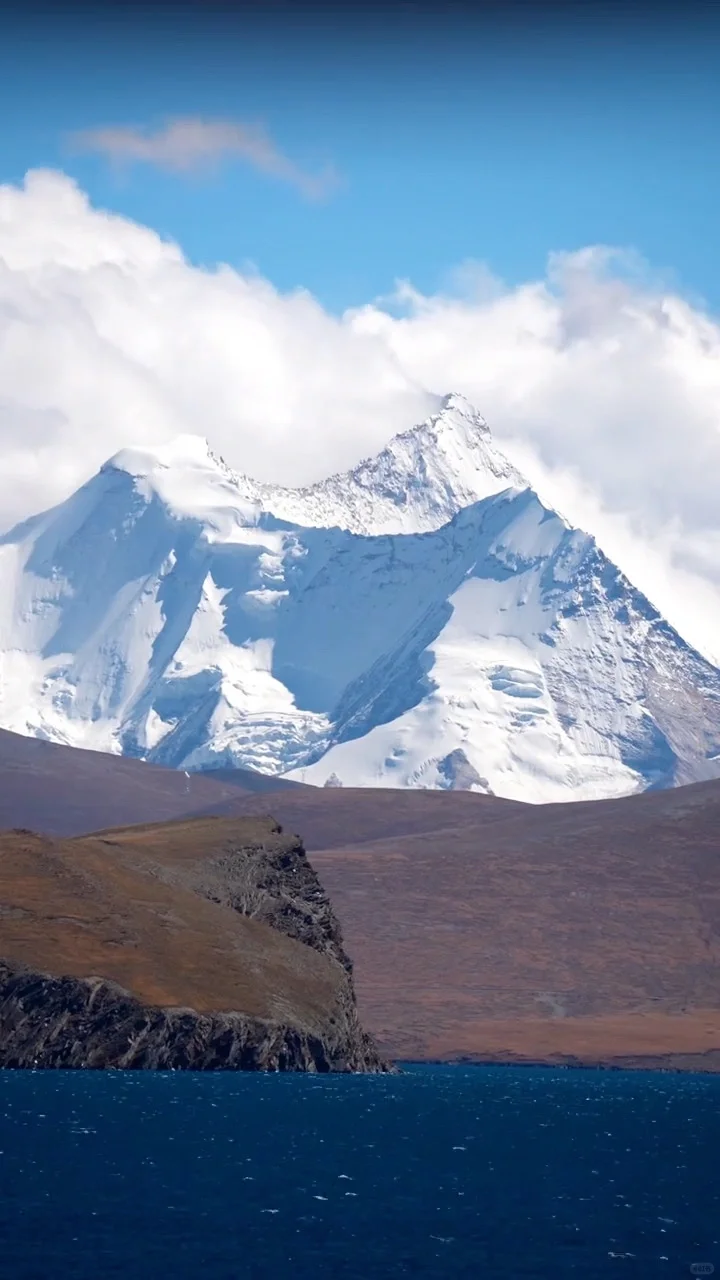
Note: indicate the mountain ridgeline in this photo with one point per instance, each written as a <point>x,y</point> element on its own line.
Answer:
<point>423,621</point>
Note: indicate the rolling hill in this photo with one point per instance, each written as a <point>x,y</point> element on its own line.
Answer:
<point>479,927</point>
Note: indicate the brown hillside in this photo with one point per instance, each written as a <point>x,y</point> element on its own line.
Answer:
<point>478,926</point>
<point>63,790</point>
<point>134,908</point>
<point>329,817</point>
<point>561,932</point>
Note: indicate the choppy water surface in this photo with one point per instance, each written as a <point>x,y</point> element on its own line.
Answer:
<point>442,1172</point>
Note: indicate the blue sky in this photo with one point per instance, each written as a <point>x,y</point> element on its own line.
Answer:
<point>496,140</point>
<point>455,140</point>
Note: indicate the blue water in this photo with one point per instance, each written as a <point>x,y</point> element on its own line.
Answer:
<point>442,1172</point>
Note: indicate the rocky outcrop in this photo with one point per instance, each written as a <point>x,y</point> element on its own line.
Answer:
<point>70,1022</point>
<point>206,944</point>
<point>271,880</point>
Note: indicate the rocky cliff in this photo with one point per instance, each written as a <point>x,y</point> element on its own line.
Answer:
<point>207,944</point>
<point>89,1022</point>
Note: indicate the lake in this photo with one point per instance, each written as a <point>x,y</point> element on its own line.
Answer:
<point>479,1172</point>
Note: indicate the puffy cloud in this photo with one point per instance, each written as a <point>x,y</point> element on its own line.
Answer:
<point>604,388</point>
<point>601,382</point>
<point>189,144</point>
<point>108,337</point>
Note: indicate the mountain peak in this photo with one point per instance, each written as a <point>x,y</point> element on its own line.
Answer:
<point>190,481</point>
<point>418,482</point>
<point>184,450</point>
<point>162,611</point>
<point>456,404</point>
<point>458,432</point>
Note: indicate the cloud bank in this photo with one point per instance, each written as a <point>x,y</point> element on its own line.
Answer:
<point>191,144</point>
<point>603,385</point>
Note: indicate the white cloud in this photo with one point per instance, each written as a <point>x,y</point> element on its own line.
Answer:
<point>190,144</point>
<point>603,383</point>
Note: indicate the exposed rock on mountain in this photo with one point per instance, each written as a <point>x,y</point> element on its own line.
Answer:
<point>425,604</point>
<point>417,483</point>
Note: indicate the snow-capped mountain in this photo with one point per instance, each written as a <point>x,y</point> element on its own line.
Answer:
<point>172,609</point>
<point>418,482</point>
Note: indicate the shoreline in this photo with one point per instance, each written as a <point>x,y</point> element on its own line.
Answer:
<point>656,1064</point>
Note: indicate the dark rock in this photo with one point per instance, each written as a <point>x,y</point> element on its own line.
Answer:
<point>91,1023</point>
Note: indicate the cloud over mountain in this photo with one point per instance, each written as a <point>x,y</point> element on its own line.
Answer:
<point>601,382</point>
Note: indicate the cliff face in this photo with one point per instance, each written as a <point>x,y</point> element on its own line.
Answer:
<point>269,879</point>
<point>88,1022</point>
<point>207,944</point>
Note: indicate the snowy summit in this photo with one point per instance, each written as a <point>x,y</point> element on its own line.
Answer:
<point>420,621</point>
<point>418,482</point>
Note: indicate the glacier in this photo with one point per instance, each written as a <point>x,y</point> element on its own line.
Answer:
<point>420,621</point>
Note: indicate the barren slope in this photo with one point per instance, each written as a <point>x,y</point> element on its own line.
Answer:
<point>165,913</point>
<point>329,817</point>
<point>478,926</point>
<point>63,790</point>
<point>562,932</point>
